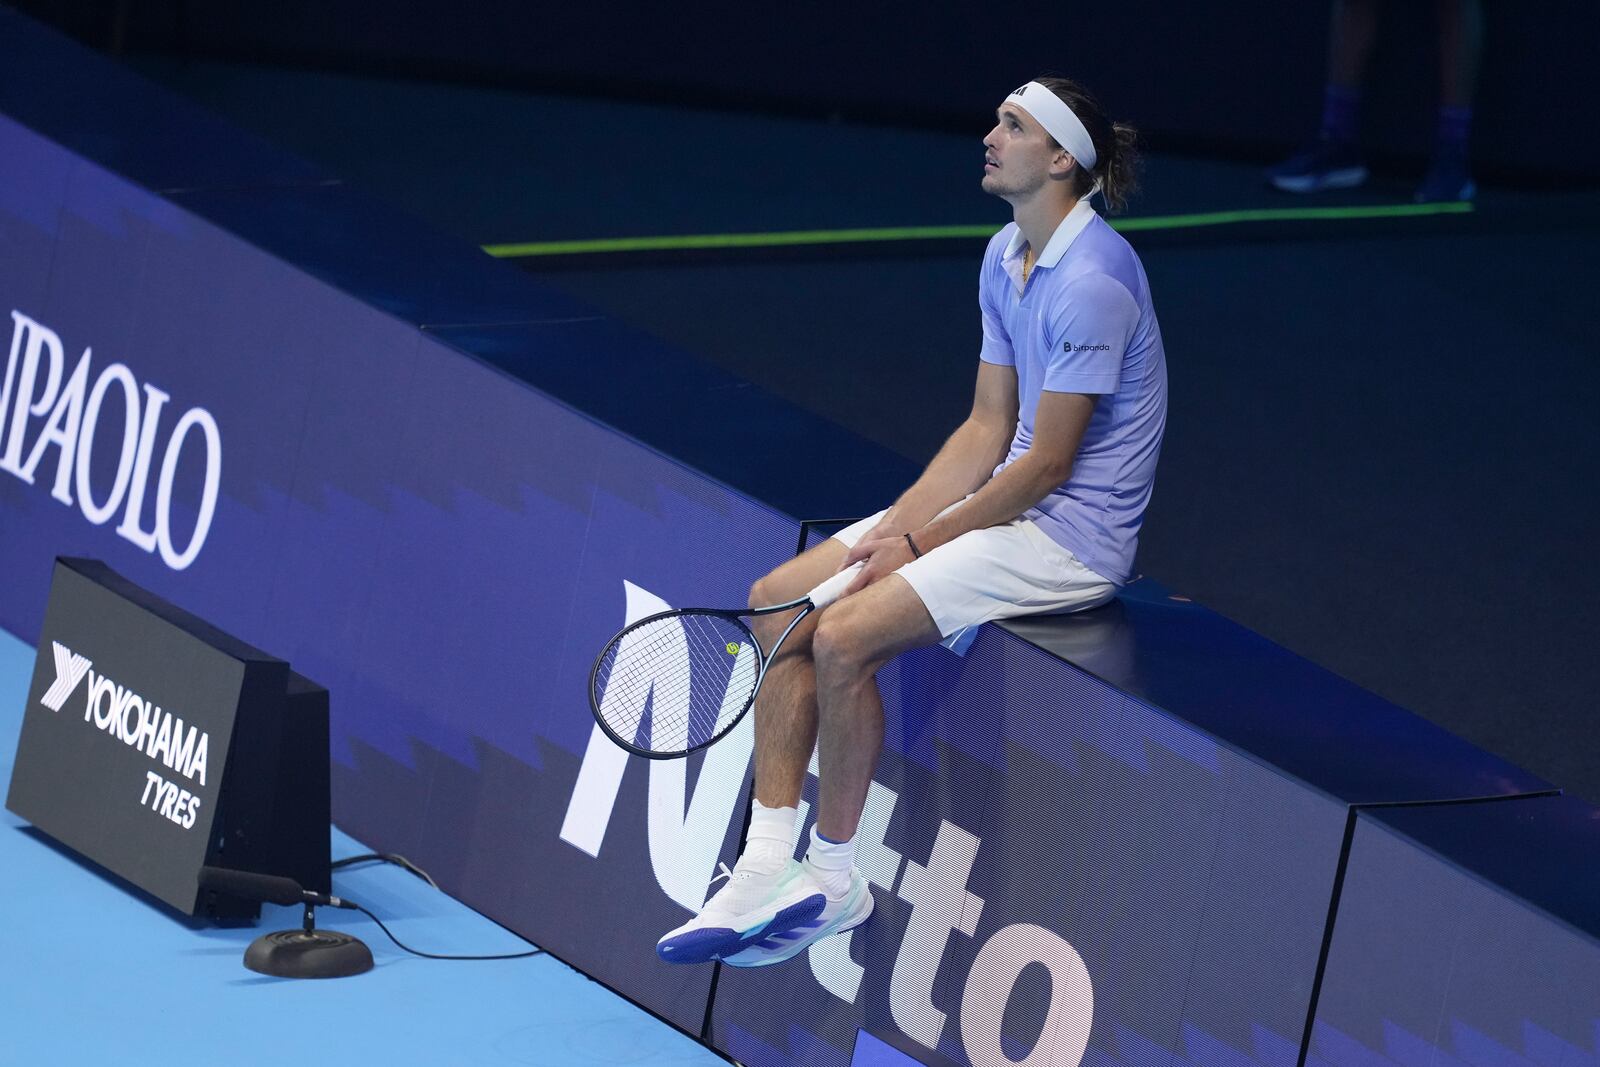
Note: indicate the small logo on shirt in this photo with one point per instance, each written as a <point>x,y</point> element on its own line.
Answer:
<point>1068,346</point>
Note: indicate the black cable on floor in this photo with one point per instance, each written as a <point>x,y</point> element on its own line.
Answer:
<point>434,956</point>
<point>400,861</point>
<point>385,857</point>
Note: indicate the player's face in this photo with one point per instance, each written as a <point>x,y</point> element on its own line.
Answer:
<point>1017,155</point>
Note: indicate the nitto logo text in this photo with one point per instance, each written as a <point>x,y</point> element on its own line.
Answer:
<point>686,830</point>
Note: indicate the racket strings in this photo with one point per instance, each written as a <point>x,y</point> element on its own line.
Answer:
<point>674,683</point>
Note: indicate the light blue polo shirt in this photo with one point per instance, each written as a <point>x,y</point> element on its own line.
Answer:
<point>1083,324</point>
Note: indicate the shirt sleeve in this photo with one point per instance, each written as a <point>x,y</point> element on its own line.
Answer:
<point>1088,330</point>
<point>996,342</point>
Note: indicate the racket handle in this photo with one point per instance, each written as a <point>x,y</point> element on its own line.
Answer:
<point>829,591</point>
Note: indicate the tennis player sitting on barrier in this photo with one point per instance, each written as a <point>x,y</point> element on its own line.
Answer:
<point>1033,505</point>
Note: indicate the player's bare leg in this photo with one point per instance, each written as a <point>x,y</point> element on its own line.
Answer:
<point>786,707</point>
<point>766,891</point>
<point>853,640</point>
<point>776,910</point>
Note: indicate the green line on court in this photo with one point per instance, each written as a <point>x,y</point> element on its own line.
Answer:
<point>1302,214</point>
<point>792,238</point>
<point>679,242</point>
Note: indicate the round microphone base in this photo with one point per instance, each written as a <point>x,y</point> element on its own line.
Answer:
<point>308,954</point>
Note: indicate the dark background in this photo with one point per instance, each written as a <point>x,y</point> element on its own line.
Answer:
<point>1382,448</point>
<point>1241,76</point>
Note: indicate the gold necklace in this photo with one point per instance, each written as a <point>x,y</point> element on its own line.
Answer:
<point>1027,263</point>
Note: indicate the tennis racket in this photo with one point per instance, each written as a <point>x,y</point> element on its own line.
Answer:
<point>678,681</point>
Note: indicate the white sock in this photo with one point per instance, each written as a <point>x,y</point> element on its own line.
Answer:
<point>831,863</point>
<point>770,839</point>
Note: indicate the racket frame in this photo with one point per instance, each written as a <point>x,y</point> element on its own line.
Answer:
<point>763,658</point>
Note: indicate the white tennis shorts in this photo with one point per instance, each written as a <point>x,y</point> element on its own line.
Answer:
<point>998,572</point>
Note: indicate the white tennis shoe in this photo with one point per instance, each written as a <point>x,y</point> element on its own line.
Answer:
<point>761,898</point>
<point>839,915</point>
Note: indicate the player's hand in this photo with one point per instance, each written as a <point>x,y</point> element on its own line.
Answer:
<point>862,548</point>
<point>884,556</point>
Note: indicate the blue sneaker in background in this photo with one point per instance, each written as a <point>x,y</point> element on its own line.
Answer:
<point>1447,180</point>
<point>1324,164</point>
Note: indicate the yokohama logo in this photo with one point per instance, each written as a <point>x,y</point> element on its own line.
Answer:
<point>70,668</point>
<point>132,719</point>
<point>60,410</point>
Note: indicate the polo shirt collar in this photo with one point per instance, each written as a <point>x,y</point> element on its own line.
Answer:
<point>1066,232</point>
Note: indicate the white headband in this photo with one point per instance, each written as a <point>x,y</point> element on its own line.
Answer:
<point>1058,120</point>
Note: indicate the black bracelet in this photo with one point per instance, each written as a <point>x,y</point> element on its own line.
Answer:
<point>915,551</point>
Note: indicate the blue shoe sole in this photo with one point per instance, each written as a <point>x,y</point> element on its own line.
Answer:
<point>715,942</point>
<point>787,944</point>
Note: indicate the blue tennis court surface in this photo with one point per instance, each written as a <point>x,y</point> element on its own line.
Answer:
<point>99,973</point>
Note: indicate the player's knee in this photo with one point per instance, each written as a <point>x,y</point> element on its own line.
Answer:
<point>768,627</point>
<point>760,592</point>
<point>835,645</point>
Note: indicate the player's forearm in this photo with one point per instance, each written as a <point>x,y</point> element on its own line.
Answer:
<point>1008,494</point>
<point>961,466</point>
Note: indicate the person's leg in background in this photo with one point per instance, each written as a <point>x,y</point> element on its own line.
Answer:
<point>1460,56</point>
<point>1333,160</point>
